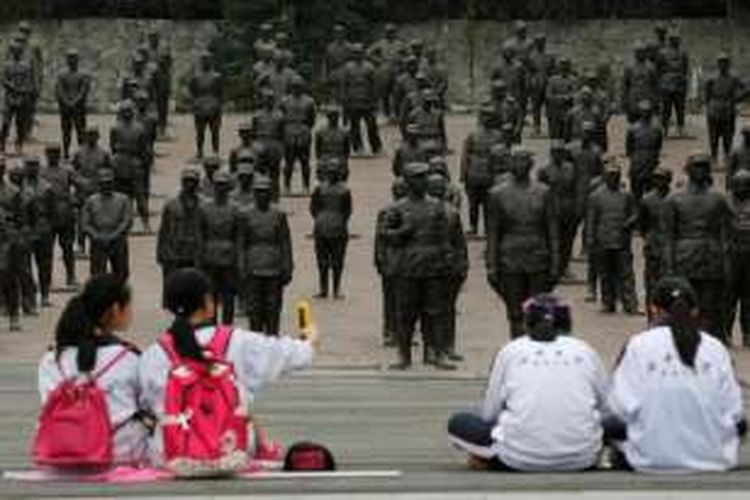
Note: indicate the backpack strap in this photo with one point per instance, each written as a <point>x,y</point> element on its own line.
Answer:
<point>111,363</point>
<point>219,344</point>
<point>167,343</point>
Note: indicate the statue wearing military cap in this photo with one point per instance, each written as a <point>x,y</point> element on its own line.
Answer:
<point>20,94</point>
<point>409,151</point>
<point>723,91</point>
<point>180,239</point>
<point>420,227</point>
<point>298,110</point>
<point>107,217</point>
<point>640,82</point>
<point>696,227</point>
<point>332,141</point>
<point>265,259</point>
<point>206,93</point>
<point>522,240</point>
<point>643,144</point>
<point>738,285</point>
<point>72,91</point>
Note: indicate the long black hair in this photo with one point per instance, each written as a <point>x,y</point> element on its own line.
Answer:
<point>677,298</point>
<point>184,294</point>
<point>82,317</point>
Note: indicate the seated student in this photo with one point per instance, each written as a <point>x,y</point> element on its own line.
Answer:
<point>676,392</point>
<point>544,401</point>
<point>255,359</point>
<point>86,343</point>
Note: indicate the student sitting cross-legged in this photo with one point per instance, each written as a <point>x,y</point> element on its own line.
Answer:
<point>199,380</point>
<point>675,392</point>
<point>89,384</point>
<point>544,403</point>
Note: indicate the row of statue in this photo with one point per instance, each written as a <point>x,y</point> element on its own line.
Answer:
<point>228,220</point>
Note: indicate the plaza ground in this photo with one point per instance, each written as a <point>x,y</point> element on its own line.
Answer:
<point>371,418</point>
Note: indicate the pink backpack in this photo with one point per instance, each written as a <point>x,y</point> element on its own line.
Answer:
<point>74,428</point>
<point>205,420</point>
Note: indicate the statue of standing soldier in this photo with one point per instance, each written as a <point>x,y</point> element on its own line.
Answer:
<point>420,227</point>
<point>19,88</point>
<point>160,57</point>
<point>62,181</point>
<point>651,222</point>
<point>643,144</point>
<point>522,241</point>
<point>10,248</point>
<point>540,69</point>
<point>38,204</point>
<point>206,93</point>
<point>674,71</point>
<point>331,209</point>
<point>560,92</point>
<point>696,223</point>
<point>268,124</point>
<point>738,293</point>
<point>265,259</point>
<point>640,82</point>
<point>106,219</point>
<point>86,162</point>
<point>332,141</point>
<point>179,242</point>
<point>128,142</point>
<point>220,224</point>
<point>723,92</point>
<point>476,173</point>
<point>360,100</point>
<point>72,91</point>
<point>298,109</point>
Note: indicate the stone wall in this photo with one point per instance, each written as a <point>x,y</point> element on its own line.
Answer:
<point>468,47</point>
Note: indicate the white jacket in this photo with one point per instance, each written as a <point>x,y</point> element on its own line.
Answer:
<point>257,360</point>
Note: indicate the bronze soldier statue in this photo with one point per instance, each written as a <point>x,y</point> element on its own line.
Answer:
<point>611,217</point>
<point>246,135</point>
<point>560,91</point>
<point>62,181</point>
<point>522,241</point>
<point>19,87</point>
<point>540,69</point>
<point>409,151</point>
<point>32,54</point>
<point>640,82</point>
<point>696,223</point>
<point>72,91</point>
<point>568,189</point>
<point>359,99</point>
<point>206,93</point>
<point>738,293</point>
<point>106,219</point>
<point>436,75</point>
<point>268,124</point>
<point>179,242</point>
<point>265,259</point>
<point>476,173</point>
<point>337,55</point>
<point>430,120</point>
<point>390,48</point>
<point>278,78</point>
<point>405,84</point>
<point>651,222</point>
<point>220,224</point>
<point>739,158</point>
<point>207,187</point>
<point>674,71</point>
<point>420,227</point>
<point>128,141</point>
<point>587,109</point>
<point>723,92</point>
<point>331,209</point>
<point>24,224</point>
<point>513,72</point>
<point>160,56</point>
<point>332,141</point>
<point>10,248</point>
<point>643,144</point>
<point>439,190</point>
<point>265,42</point>
<point>86,162</point>
<point>243,196</point>
<point>387,264</point>
<point>38,203</point>
<point>520,45</point>
<point>298,109</point>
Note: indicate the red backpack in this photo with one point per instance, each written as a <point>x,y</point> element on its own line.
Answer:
<point>74,428</point>
<point>205,417</point>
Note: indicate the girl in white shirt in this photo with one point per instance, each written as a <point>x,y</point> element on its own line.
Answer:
<point>543,407</point>
<point>85,343</point>
<point>676,392</point>
<point>257,359</point>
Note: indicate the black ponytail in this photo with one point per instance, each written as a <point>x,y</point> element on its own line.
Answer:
<point>184,294</point>
<point>83,317</point>
<point>677,298</point>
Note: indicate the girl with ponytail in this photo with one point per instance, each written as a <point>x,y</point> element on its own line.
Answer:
<point>87,345</point>
<point>256,359</point>
<point>676,392</point>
